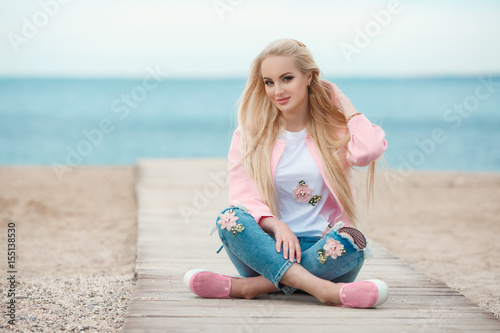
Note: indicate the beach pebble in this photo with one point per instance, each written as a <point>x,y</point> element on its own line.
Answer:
<point>53,304</point>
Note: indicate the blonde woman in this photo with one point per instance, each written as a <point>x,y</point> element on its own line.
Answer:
<point>291,223</point>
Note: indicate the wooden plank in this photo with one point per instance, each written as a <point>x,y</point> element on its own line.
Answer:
<point>164,253</point>
<point>184,324</point>
<point>300,308</point>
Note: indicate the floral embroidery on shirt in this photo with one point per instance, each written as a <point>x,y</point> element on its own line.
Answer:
<point>228,221</point>
<point>315,199</point>
<point>302,193</point>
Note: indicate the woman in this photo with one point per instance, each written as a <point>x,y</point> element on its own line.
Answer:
<point>291,223</point>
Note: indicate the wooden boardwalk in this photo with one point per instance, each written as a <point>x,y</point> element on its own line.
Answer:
<point>178,202</point>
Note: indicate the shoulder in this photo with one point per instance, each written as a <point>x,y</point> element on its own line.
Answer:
<point>237,131</point>
<point>236,134</point>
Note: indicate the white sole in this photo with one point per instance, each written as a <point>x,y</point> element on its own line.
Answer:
<point>189,275</point>
<point>383,291</point>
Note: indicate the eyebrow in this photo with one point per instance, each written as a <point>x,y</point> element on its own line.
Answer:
<point>279,77</point>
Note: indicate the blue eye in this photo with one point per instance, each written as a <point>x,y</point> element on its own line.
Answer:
<point>287,78</point>
<point>268,83</point>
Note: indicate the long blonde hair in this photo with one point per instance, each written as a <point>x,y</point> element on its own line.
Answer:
<point>261,123</point>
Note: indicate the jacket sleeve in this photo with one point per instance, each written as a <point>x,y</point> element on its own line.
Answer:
<point>242,188</point>
<point>367,141</point>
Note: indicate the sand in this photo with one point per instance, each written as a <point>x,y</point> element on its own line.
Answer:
<point>75,246</point>
<point>445,224</point>
<point>75,239</point>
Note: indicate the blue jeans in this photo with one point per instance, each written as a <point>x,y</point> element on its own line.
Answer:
<point>253,253</point>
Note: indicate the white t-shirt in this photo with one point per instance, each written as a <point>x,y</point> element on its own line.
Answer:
<point>299,186</point>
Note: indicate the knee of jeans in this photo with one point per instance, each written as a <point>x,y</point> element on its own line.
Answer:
<point>233,219</point>
<point>352,235</point>
<point>351,275</point>
<point>340,240</point>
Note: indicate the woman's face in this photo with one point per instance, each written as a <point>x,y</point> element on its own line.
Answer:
<point>285,85</point>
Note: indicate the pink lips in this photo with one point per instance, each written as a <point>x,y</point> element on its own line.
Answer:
<point>283,100</point>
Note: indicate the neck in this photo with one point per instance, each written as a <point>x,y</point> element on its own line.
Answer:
<point>297,121</point>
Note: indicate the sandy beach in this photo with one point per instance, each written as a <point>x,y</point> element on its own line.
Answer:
<point>444,224</point>
<point>75,246</point>
<point>75,239</point>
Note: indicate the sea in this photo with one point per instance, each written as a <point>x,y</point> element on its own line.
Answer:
<point>444,123</point>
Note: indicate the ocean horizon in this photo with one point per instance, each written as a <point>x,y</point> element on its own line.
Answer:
<point>431,123</point>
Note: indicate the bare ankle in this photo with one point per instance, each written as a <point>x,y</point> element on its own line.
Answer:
<point>330,293</point>
<point>334,294</point>
<point>249,288</point>
<point>241,288</point>
<point>249,294</point>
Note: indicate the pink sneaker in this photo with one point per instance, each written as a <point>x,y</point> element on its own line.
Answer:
<point>364,294</point>
<point>208,284</point>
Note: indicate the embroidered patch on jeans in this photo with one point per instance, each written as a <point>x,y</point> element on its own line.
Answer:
<point>228,221</point>
<point>321,256</point>
<point>333,248</point>
<point>357,237</point>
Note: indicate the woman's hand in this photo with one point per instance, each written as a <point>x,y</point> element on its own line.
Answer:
<point>284,237</point>
<point>340,101</point>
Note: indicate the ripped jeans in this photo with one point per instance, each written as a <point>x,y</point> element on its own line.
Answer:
<point>334,257</point>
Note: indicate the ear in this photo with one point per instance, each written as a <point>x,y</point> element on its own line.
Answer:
<point>309,78</point>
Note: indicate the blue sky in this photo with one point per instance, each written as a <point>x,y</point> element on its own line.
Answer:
<point>121,38</point>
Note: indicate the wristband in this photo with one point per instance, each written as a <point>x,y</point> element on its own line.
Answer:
<point>352,116</point>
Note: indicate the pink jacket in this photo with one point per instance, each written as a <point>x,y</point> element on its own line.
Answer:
<point>366,145</point>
